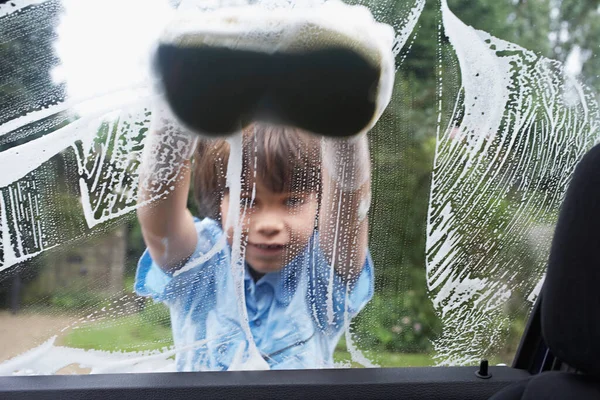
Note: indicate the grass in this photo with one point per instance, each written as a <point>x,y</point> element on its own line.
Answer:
<point>130,333</point>
<point>138,333</point>
<point>386,360</point>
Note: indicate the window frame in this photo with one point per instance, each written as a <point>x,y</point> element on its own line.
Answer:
<point>404,383</point>
<point>532,357</point>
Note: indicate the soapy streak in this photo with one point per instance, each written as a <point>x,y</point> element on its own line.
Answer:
<point>8,8</point>
<point>48,359</point>
<point>31,156</point>
<point>408,26</point>
<point>234,172</point>
<point>27,157</point>
<point>474,172</point>
<point>114,97</point>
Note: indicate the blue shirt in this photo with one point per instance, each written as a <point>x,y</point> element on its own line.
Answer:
<point>296,315</point>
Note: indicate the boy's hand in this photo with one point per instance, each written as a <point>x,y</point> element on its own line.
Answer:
<point>168,148</point>
<point>346,199</point>
<point>347,161</point>
<point>328,70</point>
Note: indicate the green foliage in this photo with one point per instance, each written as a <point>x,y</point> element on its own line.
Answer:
<point>76,300</point>
<point>525,23</point>
<point>582,20</point>
<point>402,321</point>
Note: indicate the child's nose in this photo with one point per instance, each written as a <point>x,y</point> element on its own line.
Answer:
<point>268,224</point>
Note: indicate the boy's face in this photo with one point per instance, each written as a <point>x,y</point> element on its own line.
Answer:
<point>276,228</point>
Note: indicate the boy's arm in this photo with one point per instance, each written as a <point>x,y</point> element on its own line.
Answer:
<point>343,221</point>
<point>164,181</point>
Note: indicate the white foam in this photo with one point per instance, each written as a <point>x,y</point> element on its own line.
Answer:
<point>246,356</point>
<point>21,160</point>
<point>13,6</point>
<point>48,358</point>
<point>517,122</point>
<point>406,26</point>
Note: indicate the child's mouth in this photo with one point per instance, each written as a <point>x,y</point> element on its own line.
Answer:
<point>268,248</point>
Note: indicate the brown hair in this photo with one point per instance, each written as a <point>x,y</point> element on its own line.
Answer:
<point>283,159</point>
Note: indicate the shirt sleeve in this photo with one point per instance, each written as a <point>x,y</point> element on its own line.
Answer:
<point>152,281</point>
<point>332,299</point>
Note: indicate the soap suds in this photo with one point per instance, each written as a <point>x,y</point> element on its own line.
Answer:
<point>14,6</point>
<point>502,164</point>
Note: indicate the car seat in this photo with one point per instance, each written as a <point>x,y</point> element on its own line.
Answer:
<point>570,298</point>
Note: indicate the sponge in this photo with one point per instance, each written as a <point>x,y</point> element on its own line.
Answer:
<point>328,70</point>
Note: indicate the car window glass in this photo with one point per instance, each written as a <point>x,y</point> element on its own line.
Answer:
<point>494,103</point>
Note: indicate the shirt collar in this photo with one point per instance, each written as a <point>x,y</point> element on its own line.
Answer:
<point>285,281</point>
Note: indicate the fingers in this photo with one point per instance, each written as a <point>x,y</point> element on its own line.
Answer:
<point>347,162</point>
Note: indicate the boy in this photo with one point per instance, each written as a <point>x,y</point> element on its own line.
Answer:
<point>304,203</point>
<point>294,226</point>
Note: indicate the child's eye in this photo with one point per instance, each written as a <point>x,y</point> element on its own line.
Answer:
<point>295,201</point>
<point>247,202</point>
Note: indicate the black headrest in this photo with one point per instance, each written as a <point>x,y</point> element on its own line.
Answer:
<point>571,294</point>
